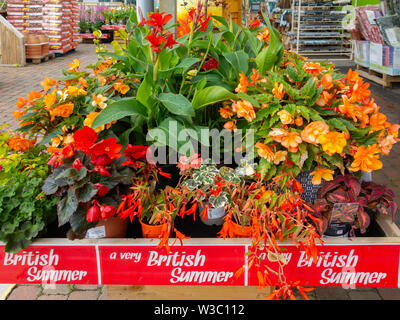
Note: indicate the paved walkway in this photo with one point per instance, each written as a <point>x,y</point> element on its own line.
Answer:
<point>15,82</point>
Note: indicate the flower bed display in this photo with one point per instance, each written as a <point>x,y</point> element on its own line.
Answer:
<point>104,133</point>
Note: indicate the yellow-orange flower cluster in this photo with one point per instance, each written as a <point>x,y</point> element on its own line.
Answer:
<point>64,110</point>
<point>244,109</point>
<point>19,143</point>
<point>366,159</point>
<point>332,142</point>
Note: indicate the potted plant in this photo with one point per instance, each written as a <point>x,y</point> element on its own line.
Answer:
<point>155,208</point>
<point>88,176</point>
<point>353,203</point>
<point>26,212</point>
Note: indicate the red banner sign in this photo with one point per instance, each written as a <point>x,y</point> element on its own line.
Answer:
<point>358,265</point>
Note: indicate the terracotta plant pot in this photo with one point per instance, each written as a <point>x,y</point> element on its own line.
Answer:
<point>114,227</point>
<point>151,231</point>
<point>240,231</point>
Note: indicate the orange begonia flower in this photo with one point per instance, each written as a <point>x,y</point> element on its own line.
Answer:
<point>320,174</point>
<point>243,83</point>
<point>285,117</point>
<point>332,142</point>
<point>387,143</point>
<point>278,91</point>
<point>264,151</point>
<point>244,109</point>
<point>74,66</point>
<point>50,99</point>
<point>394,130</point>
<point>313,130</point>
<point>352,76</point>
<point>378,122</point>
<point>230,125</point>
<point>254,77</point>
<point>278,134</point>
<point>18,114</point>
<point>280,156</point>
<point>56,141</point>
<point>349,109</point>
<point>121,87</point>
<point>299,121</point>
<point>264,35</point>
<point>34,95</point>
<point>21,102</point>
<point>327,81</point>
<point>370,107</point>
<point>324,98</point>
<point>226,112</point>
<point>19,143</point>
<point>313,68</point>
<point>83,83</point>
<point>291,141</point>
<point>47,83</point>
<point>102,80</point>
<point>99,101</point>
<point>366,159</point>
<point>64,110</point>
<point>75,91</point>
<point>359,91</point>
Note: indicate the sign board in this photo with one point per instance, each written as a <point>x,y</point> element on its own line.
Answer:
<point>356,265</point>
<point>255,6</point>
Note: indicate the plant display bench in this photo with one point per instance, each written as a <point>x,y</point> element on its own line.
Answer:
<point>203,268</point>
<point>378,77</point>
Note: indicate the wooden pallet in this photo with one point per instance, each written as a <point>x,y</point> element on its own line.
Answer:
<point>41,59</point>
<point>383,79</point>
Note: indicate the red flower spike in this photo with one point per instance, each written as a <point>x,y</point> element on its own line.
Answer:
<point>158,20</point>
<point>204,25</point>
<point>78,164</point>
<point>155,42</point>
<point>170,42</point>
<point>180,236</point>
<point>254,24</point>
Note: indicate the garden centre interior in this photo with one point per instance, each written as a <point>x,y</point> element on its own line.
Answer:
<point>233,143</point>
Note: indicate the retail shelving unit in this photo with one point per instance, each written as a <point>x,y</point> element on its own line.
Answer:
<point>317,30</point>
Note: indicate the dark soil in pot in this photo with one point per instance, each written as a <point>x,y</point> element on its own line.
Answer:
<point>196,229</point>
<point>54,231</point>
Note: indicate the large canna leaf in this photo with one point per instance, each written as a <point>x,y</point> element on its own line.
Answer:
<point>272,55</point>
<point>118,110</point>
<point>211,95</point>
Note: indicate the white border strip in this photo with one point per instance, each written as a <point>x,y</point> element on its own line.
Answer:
<point>98,264</point>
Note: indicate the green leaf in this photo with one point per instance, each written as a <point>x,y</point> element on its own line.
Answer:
<point>86,192</point>
<point>78,221</point>
<point>118,110</point>
<point>211,95</point>
<point>66,207</point>
<point>177,104</point>
<point>263,167</point>
<point>271,56</point>
<point>239,60</point>
<point>73,173</point>
<point>50,186</point>
<point>186,63</point>
<point>337,124</point>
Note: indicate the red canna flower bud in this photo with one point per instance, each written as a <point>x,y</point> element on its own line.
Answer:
<point>102,190</point>
<point>93,214</point>
<point>78,164</point>
<point>107,212</point>
<point>102,171</point>
<point>102,160</point>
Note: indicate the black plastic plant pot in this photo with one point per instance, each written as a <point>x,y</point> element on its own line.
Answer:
<point>338,229</point>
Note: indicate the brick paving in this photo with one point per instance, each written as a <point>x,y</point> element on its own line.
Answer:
<point>16,82</point>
